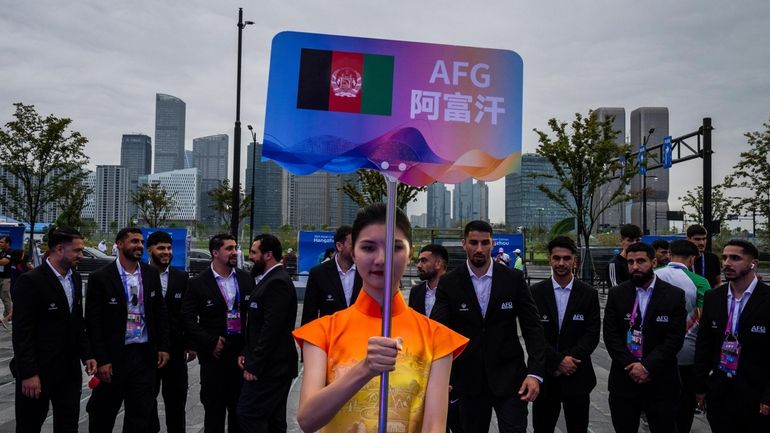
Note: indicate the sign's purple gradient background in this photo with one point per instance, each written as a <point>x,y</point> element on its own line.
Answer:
<point>303,141</point>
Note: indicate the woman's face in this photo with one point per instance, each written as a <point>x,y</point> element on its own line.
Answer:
<point>369,256</point>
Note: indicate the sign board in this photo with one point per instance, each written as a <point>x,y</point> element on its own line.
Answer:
<point>667,152</point>
<point>311,248</point>
<point>509,243</point>
<point>642,159</point>
<point>15,232</point>
<point>179,246</point>
<point>417,112</point>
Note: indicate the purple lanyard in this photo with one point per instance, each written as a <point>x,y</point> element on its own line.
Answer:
<point>124,276</point>
<point>729,325</point>
<point>633,313</point>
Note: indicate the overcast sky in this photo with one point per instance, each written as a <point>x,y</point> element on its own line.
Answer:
<point>101,63</point>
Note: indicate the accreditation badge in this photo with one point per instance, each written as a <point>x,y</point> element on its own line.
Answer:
<point>728,358</point>
<point>234,322</point>
<point>135,324</point>
<point>635,342</point>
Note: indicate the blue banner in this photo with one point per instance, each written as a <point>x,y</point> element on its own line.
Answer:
<point>649,239</point>
<point>642,159</point>
<point>16,232</point>
<point>312,248</point>
<point>508,243</point>
<point>178,246</point>
<point>667,152</point>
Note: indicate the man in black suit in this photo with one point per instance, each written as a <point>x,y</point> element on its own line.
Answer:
<point>49,338</point>
<point>431,266</point>
<point>736,315</point>
<point>644,327</point>
<point>269,358</point>
<point>213,312</point>
<point>483,301</point>
<point>334,284</point>
<point>569,312</point>
<point>127,324</point>
<point>172,379</point>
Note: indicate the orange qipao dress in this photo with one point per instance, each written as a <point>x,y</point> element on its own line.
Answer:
<point>344,337</point>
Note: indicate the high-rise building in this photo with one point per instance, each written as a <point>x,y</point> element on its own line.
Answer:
<point>644,120</point>
<point>614,216</point>
<point>439,206</point>
<point>209,156</point>
<point>111,197</point>
<point>525,204</point>
<point>169,133</point>
<point>184,185</point>
<point>89,209</point>
<point>136,156</point>
<point>316,200</point>
<point>268,178</point>
<point>470,201</point>
<point>420,220</point>
<point>188,159</point>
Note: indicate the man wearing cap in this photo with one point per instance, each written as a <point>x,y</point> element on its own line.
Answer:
<point>502,257</point>
<point>518,263</point>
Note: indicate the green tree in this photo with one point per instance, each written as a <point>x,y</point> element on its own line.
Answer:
<point>752,174</point>
<point>370,187</point>
<point>154,204</point>
<point>42,160</point>
<point>71,205</point>
<point>222,203</point>
<point>692,204</point>
<point>585,157</point>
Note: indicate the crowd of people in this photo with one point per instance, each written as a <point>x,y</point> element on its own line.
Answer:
<point>678,338</point>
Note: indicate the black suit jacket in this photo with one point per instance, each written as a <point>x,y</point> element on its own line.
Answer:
<point>204,312</point>
<point>752,381</point>
<point>663,333</point>
<point>177,286</point>
<point>107,312</point>
<point>494,349</point>
<point>270,350</point>
<point>48,339</point>
<point>578,338</point>
<point>324,294</point>
<point>417,297</point>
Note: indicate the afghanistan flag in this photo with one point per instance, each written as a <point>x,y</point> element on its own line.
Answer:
<point>347,82</point>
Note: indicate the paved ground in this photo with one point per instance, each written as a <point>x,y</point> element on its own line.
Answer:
<point>600,415</point>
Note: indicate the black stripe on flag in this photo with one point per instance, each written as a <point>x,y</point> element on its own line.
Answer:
<point>314,78</point>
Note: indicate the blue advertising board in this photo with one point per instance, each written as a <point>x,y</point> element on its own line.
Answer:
<point>16,232</point>
<point>649,239</point>
<point>178,245</point>
<point>668,150</point>
<point>508,243</point>
<point>311,247</point>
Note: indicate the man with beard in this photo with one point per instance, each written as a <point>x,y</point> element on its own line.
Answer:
<point>49,338</point>
<point>644,324</point>
<point>127,324</point>
<point>732,379</point>
<point>334,284</point>
<point>483,301</point>
<point>662,252</point>
<point>213,315</point>
<point>707,264</point>
<point>431,266</point>
<point>173,378</point>
<point>677,272</point>
<point>269,359</point>
<point>569,312</point>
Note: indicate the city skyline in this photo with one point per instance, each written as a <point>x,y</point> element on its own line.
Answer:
<point>699,59</point>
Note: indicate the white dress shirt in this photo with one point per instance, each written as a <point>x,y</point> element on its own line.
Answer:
<point>643,295</point>
<point>66,283</point>
<point>164,281</point>
<point>228,285</point>
<point>430,298</point>
<point>348,279</point>
<point>740,304</point>
<point>482,286</point>
<point>562,297</point>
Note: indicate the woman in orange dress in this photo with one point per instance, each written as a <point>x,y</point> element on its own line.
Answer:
<point>344,354</point>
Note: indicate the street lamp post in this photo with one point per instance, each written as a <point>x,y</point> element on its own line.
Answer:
<point>236,202</point>
<point>253,181</point>
<point>644,183</point>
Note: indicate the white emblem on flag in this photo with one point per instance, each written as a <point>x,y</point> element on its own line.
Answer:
<point>346,82</point>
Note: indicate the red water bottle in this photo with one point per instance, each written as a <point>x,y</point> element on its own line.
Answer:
<point>94,382</point>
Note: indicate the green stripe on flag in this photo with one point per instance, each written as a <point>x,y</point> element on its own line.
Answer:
<point>377,91</point>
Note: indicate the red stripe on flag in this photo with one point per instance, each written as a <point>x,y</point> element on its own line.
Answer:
<point>347,74</point>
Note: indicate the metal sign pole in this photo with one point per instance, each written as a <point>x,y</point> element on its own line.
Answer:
<point>387,304</point>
